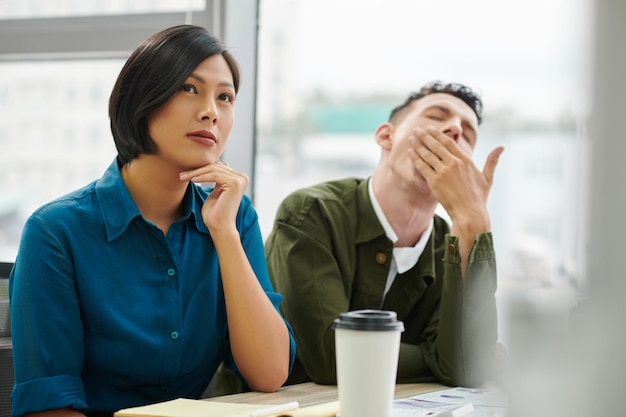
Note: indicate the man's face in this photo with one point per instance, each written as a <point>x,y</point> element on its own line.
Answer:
<point>446,113</point>
<point>442,111</point>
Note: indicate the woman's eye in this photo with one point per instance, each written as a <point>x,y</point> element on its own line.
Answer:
<point>189,88</point>
<point>225,97</point>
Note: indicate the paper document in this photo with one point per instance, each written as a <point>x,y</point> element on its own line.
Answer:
<point>453,402</point>
<point>198,408</point>
<point>190,408</point>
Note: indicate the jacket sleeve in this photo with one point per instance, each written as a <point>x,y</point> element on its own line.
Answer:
<point>304,269</point>
<point>461,339</point>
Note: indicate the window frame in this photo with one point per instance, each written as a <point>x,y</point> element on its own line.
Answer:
<point>116,36</point>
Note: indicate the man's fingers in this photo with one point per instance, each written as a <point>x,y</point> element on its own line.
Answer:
<point>444,145</point>
<point>490,164</point>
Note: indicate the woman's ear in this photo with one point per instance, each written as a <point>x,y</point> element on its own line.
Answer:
<point>384,135</point>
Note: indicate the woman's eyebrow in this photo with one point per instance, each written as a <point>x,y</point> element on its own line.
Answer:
<point>203,81</point>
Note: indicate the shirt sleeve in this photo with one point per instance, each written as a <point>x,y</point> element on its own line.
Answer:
<point>46,335</point>
<point>461,339</point>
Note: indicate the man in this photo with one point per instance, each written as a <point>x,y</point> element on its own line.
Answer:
<point>376,243</point>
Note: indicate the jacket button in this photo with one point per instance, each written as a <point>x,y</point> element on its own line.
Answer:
<point>452,249</point>
<point>381,258</point>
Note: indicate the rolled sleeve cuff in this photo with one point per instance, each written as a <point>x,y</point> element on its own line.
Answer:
<point>482,249</point>
<point>46,394</point>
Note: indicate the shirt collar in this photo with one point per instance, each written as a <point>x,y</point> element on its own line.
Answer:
<point>405,257</point>
<point>118,208</point>
<point>192,204</point>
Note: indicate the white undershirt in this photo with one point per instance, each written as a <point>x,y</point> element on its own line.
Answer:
<point>404,258</point>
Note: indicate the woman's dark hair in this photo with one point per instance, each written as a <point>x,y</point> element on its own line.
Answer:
<point>469,96</point>
<point>153,72</point>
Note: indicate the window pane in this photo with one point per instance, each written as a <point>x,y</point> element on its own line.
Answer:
<point>324,85</point>
<point>65,8</point>
<point>54,135</point>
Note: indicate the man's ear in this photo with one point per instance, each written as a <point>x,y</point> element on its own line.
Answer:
<point>384,135</point>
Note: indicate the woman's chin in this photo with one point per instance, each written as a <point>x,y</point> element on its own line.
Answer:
<point>201,162</point>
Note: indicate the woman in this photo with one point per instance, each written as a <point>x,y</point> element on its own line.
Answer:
<point>133,289</point>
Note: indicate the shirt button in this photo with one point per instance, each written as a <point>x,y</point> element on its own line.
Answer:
<point>174,335</point>
<point>452,249</point>
<point>381,258</point>
<point>171,272</point>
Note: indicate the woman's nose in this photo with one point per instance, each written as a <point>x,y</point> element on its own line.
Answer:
<point>210,112</point>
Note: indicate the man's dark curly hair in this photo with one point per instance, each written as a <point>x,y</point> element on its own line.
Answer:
<point>469,96</point>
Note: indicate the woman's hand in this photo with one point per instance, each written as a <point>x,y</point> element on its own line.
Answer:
<point>220,208</point>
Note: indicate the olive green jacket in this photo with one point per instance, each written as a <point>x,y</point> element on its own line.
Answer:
<point>328,254</point>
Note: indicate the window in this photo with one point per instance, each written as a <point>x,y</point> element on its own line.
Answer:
<point>330,71</point>
<point>58,63</point>
<point>57,135</point>
<point>19,9</point>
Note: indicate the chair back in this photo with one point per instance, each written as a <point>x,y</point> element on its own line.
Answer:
<point>5,313</point>
<point>6,350</point>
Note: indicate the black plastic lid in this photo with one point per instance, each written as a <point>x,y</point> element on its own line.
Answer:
<point>377,320</point>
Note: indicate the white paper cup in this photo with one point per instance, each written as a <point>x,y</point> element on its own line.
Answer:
<point>367,344</point>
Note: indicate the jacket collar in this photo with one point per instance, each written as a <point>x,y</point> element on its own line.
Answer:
<point>370,226</point>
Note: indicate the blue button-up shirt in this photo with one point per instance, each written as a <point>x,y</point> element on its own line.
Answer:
<point>109,313</point>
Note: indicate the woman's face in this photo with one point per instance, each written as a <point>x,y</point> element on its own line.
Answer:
<point>192,127</point>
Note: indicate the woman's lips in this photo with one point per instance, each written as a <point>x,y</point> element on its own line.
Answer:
<point>203,137</point>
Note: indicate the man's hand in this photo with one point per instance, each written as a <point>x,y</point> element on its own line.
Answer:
<point>460,187</point>
<point>454,179</point>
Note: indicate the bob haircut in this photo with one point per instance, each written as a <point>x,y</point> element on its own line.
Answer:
<point>152,73</point>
